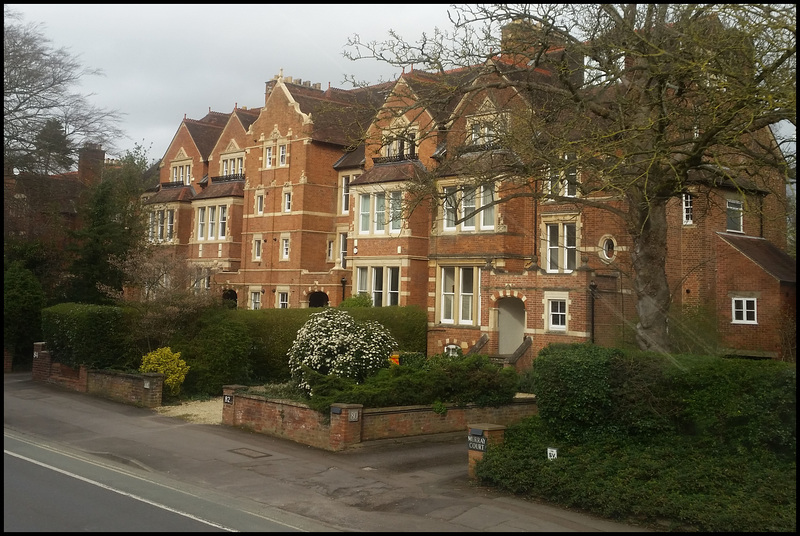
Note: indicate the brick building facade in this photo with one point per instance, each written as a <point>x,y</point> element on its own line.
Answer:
<point>277,207</point>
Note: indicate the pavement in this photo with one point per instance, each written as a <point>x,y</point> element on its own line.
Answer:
<point>412,485</point>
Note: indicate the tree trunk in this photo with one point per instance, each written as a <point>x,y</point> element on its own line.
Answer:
<point>650,275</point>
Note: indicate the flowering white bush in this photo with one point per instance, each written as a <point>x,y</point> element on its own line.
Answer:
<point>332,342</point>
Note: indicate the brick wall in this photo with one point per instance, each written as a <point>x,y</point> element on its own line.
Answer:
<point>350,424</point>
<point>135,389</point>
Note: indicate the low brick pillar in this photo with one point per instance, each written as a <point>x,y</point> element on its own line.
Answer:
<point>152,389</point>
<point>229,404</point>
<point>345,425</point>
<point>479,436</point>
<point>41,362</point>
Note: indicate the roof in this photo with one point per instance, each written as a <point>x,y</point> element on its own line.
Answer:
<point>205,132</point>
<point>351,159</point>
<point>222,187</point>
<point>339,116</point>
<point>765,254</point>
<point>246,116</point>
<point>45,193</point>
<point>391,172</point>
<point>171,192</point>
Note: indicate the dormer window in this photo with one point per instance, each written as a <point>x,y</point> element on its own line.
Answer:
<point>401,143</point>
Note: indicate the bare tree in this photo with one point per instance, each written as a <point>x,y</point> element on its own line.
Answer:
<point>39,87</point>
<point>650,99</point>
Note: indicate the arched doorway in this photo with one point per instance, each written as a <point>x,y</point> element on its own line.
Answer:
<point>317,299</point>
<point>230,299</point>
<point>510,324</point>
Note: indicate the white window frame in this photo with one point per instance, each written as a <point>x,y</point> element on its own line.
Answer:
<point>283,300</point>
<point>223,222</point>
<point>450,208</point>
<point>285,249</point>
<point>201,223</point>
<point>392,285</point>
<point>487,214</point>
<point>734,214</point>
<point>329,250</point>
<point>170,224</point>
<point>345,200</point>
<point>260,204</point>
<point>364,210</point>
<point>268,157</point>
<point>459,202</point>
<point>377,286</point>
<point>458,292</point>
<point>255,300</point>
<point>212,221</point>
<point>362,280</point>
<point>557,311</point>
<point>343,249</point>
<point>282,150</point>
<point>161,225</point>
<point>257,245</point>
<point>564,183</point>
<point>468,202</point>
<point>395,211</point>
<point>745,314</point>
<point>688,208</point>
<point>380,282</point>
<point>562,249</point>
<point>287,201</point>
<point>379,219</point>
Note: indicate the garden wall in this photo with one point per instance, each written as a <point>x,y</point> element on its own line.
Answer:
<point>134,389</point>
<point>351,424</point>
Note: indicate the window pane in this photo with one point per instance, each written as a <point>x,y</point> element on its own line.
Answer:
<point>448,293</point>
<point>377,286</point>
<point>394,286</point>
<point>570,251</point>
<point>364,213</point>
<point>487,216</point>
<point>552,248</point>
<point>467,207</point>
<point>467,295</point>
<point>380,212</point>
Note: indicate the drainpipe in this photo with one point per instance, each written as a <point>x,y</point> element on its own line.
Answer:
<point>592,290</point>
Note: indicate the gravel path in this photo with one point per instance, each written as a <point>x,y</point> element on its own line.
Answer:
<point>200,412</point>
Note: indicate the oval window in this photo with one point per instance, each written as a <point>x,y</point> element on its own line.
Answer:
<point>608,248</point>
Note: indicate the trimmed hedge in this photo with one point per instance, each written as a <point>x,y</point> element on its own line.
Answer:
<point>96,336</point>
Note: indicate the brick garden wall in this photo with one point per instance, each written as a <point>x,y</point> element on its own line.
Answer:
<point>351,424</point>
<point>135,389</point>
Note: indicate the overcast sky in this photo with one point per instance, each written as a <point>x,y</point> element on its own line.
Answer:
<point>164,61</point>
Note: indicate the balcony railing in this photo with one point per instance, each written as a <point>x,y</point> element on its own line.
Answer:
<point>477,148</point>
<point>394,158</point>
<point>228,178</point>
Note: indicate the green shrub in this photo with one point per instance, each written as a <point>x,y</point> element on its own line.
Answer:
<point>573,387</point>
<point>677,442</point>
<point>458,381</point>
<point>359,300</point>
<point>23,300</point>
<point>169,364</point>
<point>97,336</point>
<point>272,333</point>
<point>331,342</point>
<point>408,325</point>
<point>218,355</point>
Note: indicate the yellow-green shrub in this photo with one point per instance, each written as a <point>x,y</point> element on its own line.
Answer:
<point>168,363</point>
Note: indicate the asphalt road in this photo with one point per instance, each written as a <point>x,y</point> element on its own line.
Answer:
<point>408,486</point>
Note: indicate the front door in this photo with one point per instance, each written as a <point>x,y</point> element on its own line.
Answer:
<point>510,324</point>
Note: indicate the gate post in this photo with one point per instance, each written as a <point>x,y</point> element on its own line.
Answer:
<point>480,435</point>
